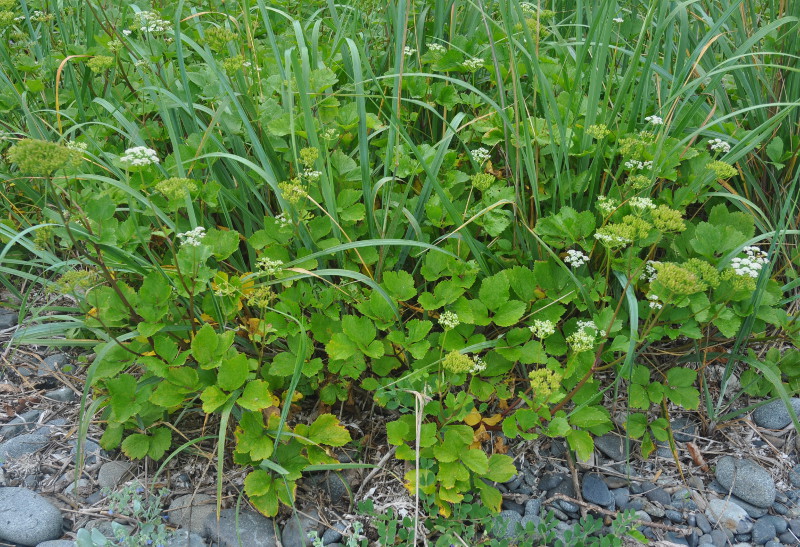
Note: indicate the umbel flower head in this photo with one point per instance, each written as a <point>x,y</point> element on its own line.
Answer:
<point>41,158</point>
<point>139,156</point>
<point>457,362</point>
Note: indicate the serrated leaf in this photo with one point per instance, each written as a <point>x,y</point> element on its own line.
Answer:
<point>327,430</point>
<point>257,483</point>
<point>681,377</point>
<point>160,442</point>
<point>213,398</point>
<point>501,468</point>
<point>399,285</point>
<point>636,425</point>
<point>490,496</point>
<point>122,396</point>
<point>340,347</point>
<point>558,427</point>
<point>509,313</point>
<point>204,344</point>
<point>136,446</point>
<point>397,432</point>
<point>233,372</point>
<point>256,396</point>
<point>589,416</point>
<point>476,460</point>
<point>494,291</point>
<point>167,395</point>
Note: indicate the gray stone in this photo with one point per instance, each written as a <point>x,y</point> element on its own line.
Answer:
<point>778,523</point>
<point>505,525</point>
<point>677,539</point>
<point>725,514</point>
<point>296,529</point>
<point>702,523</point>
<point>57,543</point>
<point>744,527</point>
<point>621,497</point>
<point>23,423</point>
<point>706,539</point>
<point>550,481</point>
<point>62,395</point>
<point>533,507</point>
<point>653,510</point>
<point>190,511</point>
<point>780,508</point>
<point>674,516</point>
<point>773,544</point>
<point>612,446</point>
<point>108,528</point>
<point>27,518</point>
<point>241,529</point>
<point>794,526</point>
<point>683,429</point>
<point>8,319</point>
<point>52,363</point>
<point>335,485</point>
<point>746,480</point>
<point>84,487</point>
<point>53,426</point>
<point>566,488</point>
<point>788,538</point>
<point>112,473</point>
<point>334,533</point>
<point>658,495</point>
<point>514,506</point>
<point>91,451</point>
<point>719,538</point>
<point>763,531</point>
<point>185,538</point>
<point>774,415</point>
<point>753,511</point>
<point>22,445</point>
<point>595,491</point>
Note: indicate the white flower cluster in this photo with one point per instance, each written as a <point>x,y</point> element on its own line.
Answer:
<point>655,120</point>
<point>478,367</point>
<point>449,320</point>
<point>268,265</point>
<point>127,32</point>
<point>193,238</point>
<point>609,238</point>
<point>311,175</point>
<point>581,340</point>
<point>641,203</point>
<point>607,205</point>
<point>436,48</point>
<point>149,21</point>
<point>542,329</point>
<point>751,264</point>
<point>636,164</point>
<point>473,63</point>
<point>528,8</point>
<point>481,155</point>
<point>139,156</point>
<point>618,20</point>
<point>576,259</point>
<point>654,302</point>
<point>409,51</point>
<point>649,272</point>
<point>283,220</point>
<point>718,145</point>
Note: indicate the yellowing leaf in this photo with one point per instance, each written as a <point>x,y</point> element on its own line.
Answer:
<point>473,418</point>
<point>326,429</point>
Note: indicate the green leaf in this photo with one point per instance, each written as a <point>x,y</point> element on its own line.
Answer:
<point>122,397</point>
<point>494,291</point>
<point>233,372</point>
<point>204,345</point>
<point>490,496</point>
<point>590,416</point>
<point>136,446</point>
<point>501,468</point>
<point>775,149</point>
<point>509,313</point>
<point>681,377</point>
<point>159,442</point>
<point>728,323</point>
<point>327,430</point>
<point>637,397</point>
<point>340,347</point>
<point>223,243</point>
<point>167,395</point>
<point>256,396</point>
<point>213,398</point>
<point>399,285</point>
<point>581,442</point>
<point>566,227</point>
<point>636,426</point>
<point>360,330</point>
<point>257,483</point>
<point>397,432</point>
<point>558,427</point>
<point>476,460</point>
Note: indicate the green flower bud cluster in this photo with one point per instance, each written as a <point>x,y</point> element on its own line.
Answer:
<point>676,279</point>
<point>233,64</point>
<point>308,156</point>
<point>176,188</point>
<point>292,191</point>
<point>708,273</point>
<point>217,38</point>
<point>100,63</point>
<point>638,182</point>
<point>620,234</point>
<point>544,382</point>
<point>457,362</point>
<point>667,220</point>
<point>74,281</point>
<point>738,282</point>
<point>598,131</point>
<point>483,181</point>
<point>41,158</point>
<point>721,169</point>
